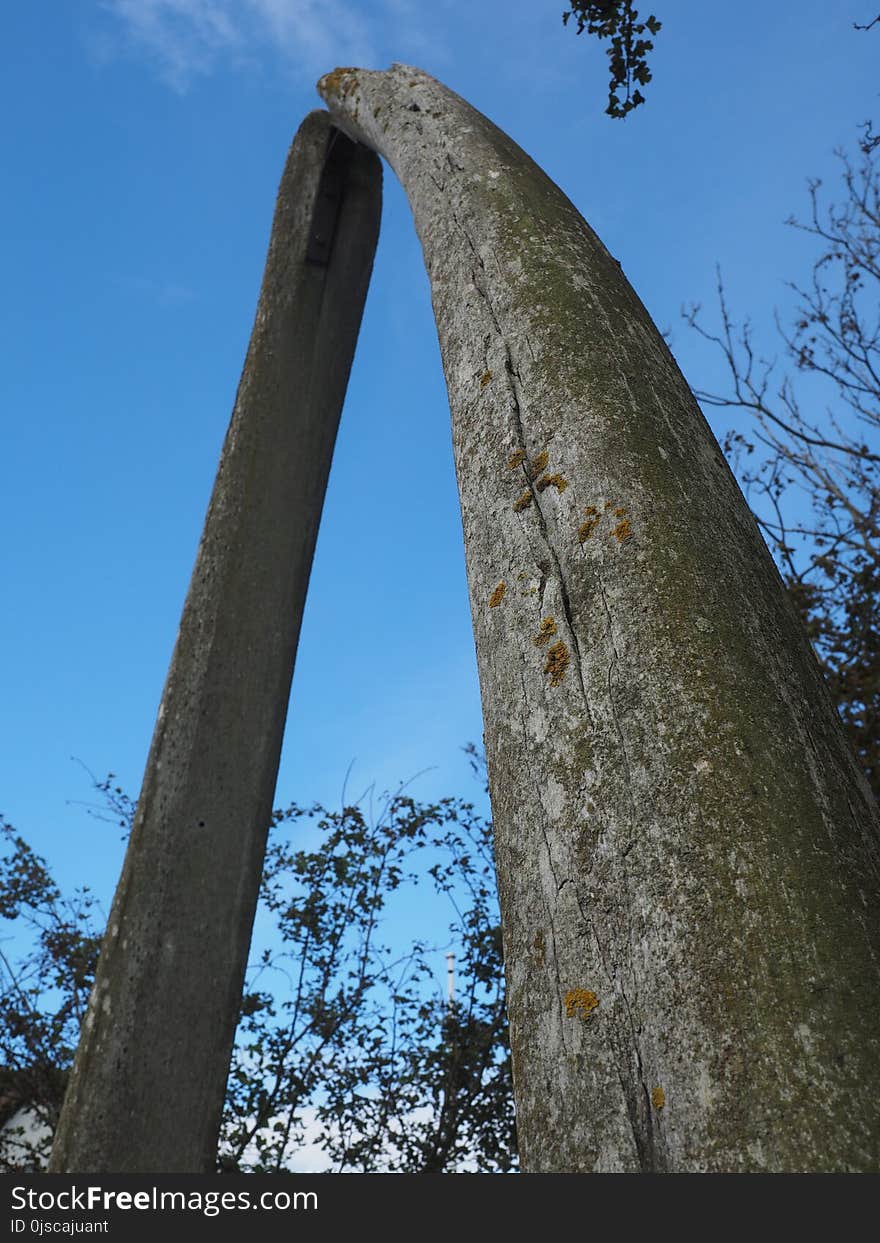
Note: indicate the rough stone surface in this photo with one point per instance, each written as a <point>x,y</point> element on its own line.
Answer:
<point>687,854</point>
<point>148,1083</point>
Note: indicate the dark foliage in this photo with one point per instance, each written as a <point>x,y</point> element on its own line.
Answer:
<point>42,999</point>
<point>345,1046</point>
<point>629,45</point>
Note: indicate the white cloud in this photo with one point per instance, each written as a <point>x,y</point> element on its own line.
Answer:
<point>186,39</point>
<point>316,32</point>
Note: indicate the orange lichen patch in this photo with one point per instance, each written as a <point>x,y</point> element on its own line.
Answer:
<point>586,529</point>
<point>539,463</point>
<point>658,1098</point>
<point>545,632</point>
<point>516,459</point>
<point>522,502</point>
<point>557,663</point>
<point>338,82</point>
<point>620,512</point>
<point>557,481</point>
<point>485,378</point>
<point>497,595</point>
<point>609,505</point>
<point>581,1001</point>
<point>623,531</point>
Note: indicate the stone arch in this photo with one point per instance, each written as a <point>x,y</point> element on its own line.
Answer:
<point>687,853</point>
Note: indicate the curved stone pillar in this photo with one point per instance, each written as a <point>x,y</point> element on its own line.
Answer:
<point>687,853</point>
<point>147,1087</point>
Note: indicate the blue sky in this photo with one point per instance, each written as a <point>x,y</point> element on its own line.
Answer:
<point>142,149</point>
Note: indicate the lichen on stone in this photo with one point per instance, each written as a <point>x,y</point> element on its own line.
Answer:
<point>338,82</point>
<point>545,632</point>
<point>559,482</point>
<point>522,502</point>
<point>586,529</point>
<point>580,1001</point>
<point>557,663</point>
<point>497,595</point>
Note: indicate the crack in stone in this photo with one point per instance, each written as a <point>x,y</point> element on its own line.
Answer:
<point>620,738</point>
<point>647,1146</point>
<point>640,1121</point>
<point>643,1139</point>
<point>547,904</point>
<point>514,379</point>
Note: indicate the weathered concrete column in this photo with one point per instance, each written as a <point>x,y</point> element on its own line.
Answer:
<point>687,854</point>
<point>147,1087</point>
